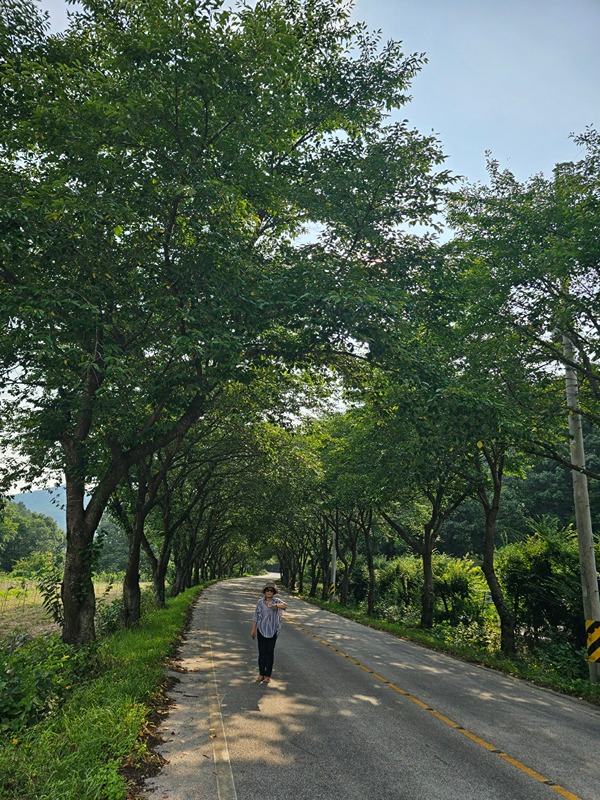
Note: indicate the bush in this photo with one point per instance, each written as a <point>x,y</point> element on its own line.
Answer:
<point>36,564</point>
<point>459,585</point>
<point>481,635</point>
<point>400,584</point>
<point>37,676</point>
<point>459,588</point>
<point>541,579</point>
<point>110,617</point>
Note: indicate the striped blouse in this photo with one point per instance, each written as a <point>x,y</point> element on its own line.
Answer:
<point>268,620</point>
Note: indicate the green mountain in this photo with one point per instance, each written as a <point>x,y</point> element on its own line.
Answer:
<point>46,501</point>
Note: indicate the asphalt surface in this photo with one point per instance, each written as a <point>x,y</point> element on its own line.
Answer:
<point>357,714</point>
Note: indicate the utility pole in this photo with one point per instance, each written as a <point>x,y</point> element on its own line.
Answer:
<point>583,518</point>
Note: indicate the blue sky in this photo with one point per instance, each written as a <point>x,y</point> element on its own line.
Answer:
<point>515,77</point>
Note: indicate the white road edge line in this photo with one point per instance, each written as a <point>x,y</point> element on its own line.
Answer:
<point>224,774</point>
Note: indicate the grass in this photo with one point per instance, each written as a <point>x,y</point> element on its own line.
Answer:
<point>21,606</point>
<point>557,676</point>
<point>79,753</point>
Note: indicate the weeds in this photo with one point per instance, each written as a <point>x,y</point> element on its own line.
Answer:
<point>49,587</point>
<point>36,677</point>
<point>77,754</point>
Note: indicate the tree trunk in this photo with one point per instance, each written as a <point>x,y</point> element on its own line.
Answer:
<point>495,461</point>
<point>314,578</point>
<point>159,576</point>
<point>178,581</point>
<point>77,588</point>
<point>507,619</point>
<point>291,582</point>
<point>159,566</point>
<point>148,485</point>
<point>371,568</point>
<point>325,569</point>
<point>427,600</point>
<point>364,522</point>
<point>345,580</point>
<point>301,571</point>
<point>132,595</point>
<point>158,584</point>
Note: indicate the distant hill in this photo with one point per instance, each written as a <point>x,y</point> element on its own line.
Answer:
<point>46,501</point>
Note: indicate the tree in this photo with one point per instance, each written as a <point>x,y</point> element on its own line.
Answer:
<point>534,246</point>
<point>347,504</point>
<point>24,533</point>
<point>158,162</point>
<point>418,436</point>
<point>530,253</point>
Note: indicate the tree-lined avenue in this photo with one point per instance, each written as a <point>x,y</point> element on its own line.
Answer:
<point>331,727</point>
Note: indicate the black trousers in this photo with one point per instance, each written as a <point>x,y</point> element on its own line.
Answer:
<point>266,653</point>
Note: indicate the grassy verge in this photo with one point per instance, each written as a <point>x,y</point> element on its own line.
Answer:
<point>555,676</point>
<point>79,753</point>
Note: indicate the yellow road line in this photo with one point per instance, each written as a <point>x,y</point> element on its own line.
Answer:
<point>446,720</point>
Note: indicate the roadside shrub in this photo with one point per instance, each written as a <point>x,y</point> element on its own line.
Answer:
<point>37,676</point>
<point>110,617</point>
<point>459,587</point>
<point>400,584</point>
<point>483,634</point>
<point>556,657</point>
<point>390,612</point>
<point>541,579</point>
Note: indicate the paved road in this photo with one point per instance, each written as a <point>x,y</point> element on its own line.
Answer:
<point>356,714</point>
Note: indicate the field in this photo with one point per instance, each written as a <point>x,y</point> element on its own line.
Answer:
<point>21,608</point>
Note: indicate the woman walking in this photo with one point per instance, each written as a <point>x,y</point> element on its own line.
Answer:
<point>266,622</point>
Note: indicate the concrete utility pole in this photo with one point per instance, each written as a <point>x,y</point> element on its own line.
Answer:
<point>583,519</point>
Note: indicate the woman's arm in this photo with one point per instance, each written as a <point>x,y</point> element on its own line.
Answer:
<point>253,631</point>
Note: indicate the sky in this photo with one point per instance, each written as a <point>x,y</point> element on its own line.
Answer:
<point>513,77</point>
